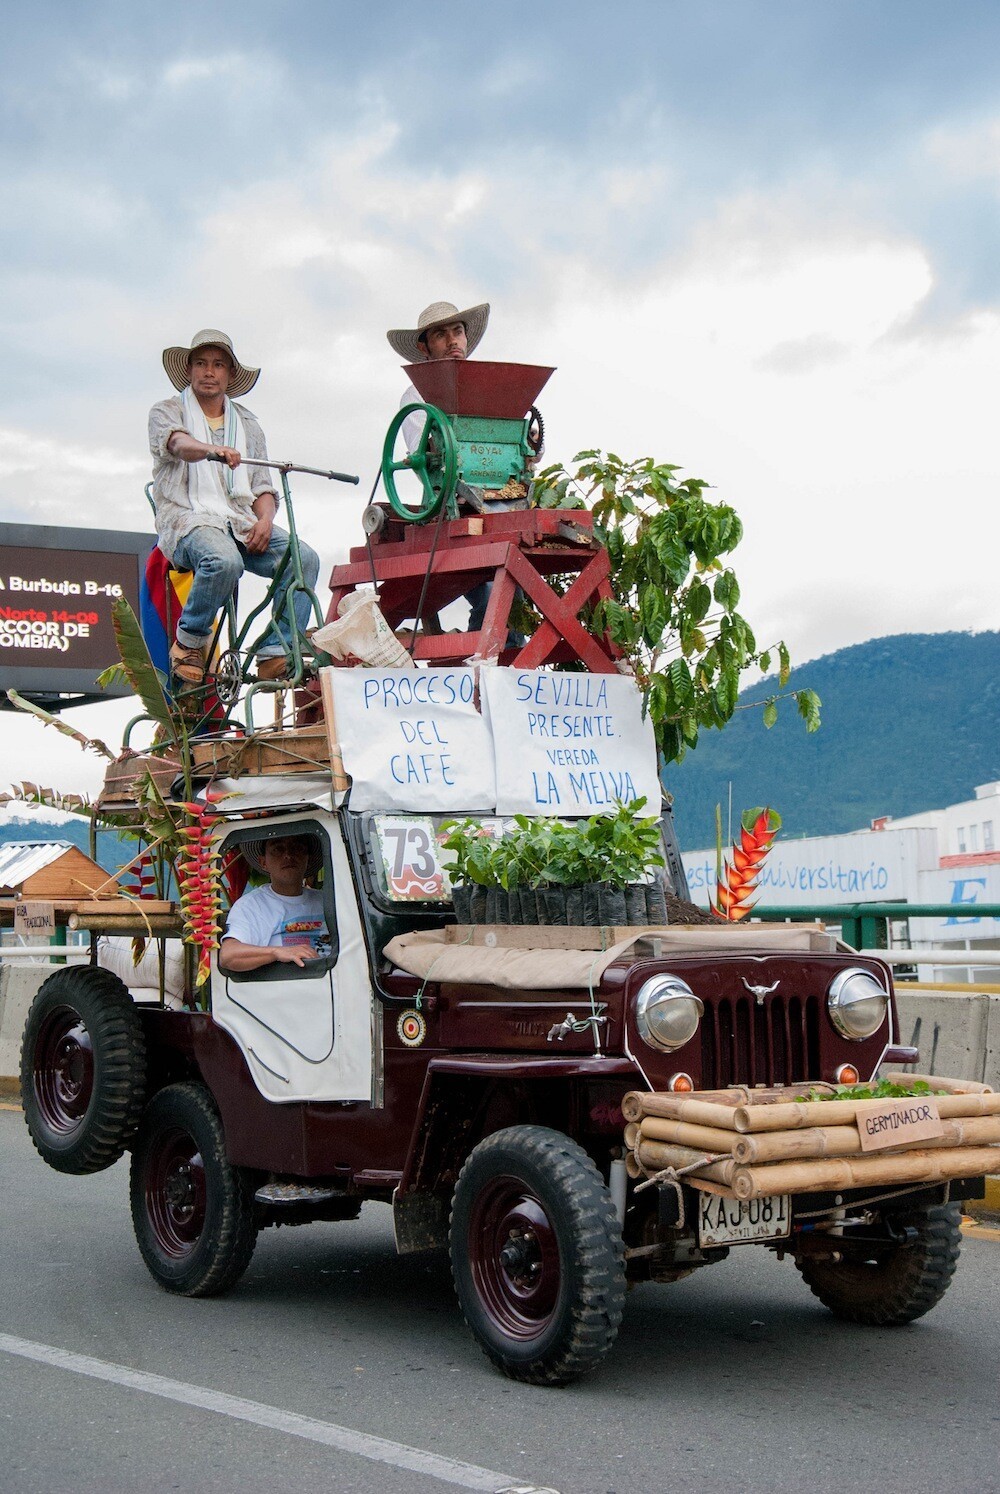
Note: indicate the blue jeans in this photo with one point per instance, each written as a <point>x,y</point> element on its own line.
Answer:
<point>218,561</point>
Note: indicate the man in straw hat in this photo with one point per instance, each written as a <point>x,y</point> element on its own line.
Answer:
<point>442,331</point>
<point>284,923</point>
<point>213,518</point>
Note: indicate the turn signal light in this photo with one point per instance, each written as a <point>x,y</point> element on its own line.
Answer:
<point>847,1074</point>
<point>681,1084</point>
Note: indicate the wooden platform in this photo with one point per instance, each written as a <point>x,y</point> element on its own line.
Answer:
<point>299,749</point>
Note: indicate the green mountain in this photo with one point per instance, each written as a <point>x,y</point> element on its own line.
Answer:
<point>910,722</point>
<point>113,851</point>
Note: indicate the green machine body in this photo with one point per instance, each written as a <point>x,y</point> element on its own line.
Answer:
<point>475,439</point>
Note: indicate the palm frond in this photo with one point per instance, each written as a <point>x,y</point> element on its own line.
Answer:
<point>89,744</point>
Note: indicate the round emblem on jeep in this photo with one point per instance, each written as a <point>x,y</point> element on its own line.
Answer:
<point>412,1029</point>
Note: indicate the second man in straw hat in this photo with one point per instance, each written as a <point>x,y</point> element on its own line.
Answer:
<point>213,518</point>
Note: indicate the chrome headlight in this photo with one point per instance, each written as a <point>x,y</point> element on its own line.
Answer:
<point>667,1012</point>
<point>857,1004</point>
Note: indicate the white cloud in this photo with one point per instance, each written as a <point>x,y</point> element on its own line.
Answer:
<point>966,152</point>
<point>211,68</point>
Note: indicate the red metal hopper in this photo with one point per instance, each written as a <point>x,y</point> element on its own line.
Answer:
<point>499,391</point>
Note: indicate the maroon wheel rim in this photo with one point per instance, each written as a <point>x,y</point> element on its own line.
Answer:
<point>175,1192</point>
<point>514,1258</point>
<point>63,1071</point>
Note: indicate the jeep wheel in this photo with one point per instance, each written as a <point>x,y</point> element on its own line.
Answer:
<point>892,1283</point>
<point>537,1255</point>
<point>192,1212</point>
<point>83,1069</point>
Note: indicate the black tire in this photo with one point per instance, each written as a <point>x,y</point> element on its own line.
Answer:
<point>895,1283</point>
<point>537,1255</point>
<point>193,1213</point>
<point>83,1069</point>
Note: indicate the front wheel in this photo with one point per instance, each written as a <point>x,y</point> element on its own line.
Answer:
<point>193,1212</point>
<point>537,1255</point>
<point>889,1282</point>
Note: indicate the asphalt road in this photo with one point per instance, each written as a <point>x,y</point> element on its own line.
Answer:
<point>734,1379</point>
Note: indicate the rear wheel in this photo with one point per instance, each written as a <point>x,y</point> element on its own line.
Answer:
<point>193,1212</point>
<point>537,1255</point>
<point>887,1284</point>
<point>83,1069</point>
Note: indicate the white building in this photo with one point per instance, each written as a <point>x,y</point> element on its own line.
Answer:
<point>945,855</point>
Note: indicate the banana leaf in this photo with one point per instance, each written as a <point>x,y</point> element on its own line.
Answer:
<point>141,673</point>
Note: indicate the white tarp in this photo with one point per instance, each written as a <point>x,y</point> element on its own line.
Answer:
<point>413,739</point>
<point>568,744</point>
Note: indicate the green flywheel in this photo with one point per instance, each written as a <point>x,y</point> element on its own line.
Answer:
<point>434,460</point>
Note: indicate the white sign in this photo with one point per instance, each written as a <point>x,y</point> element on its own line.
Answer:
<point>828,869</point>
<point>568,744</point>
<point>413,739</point>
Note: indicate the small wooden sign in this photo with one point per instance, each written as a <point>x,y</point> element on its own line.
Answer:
<point>35,922</point>
<point>885,1123</point>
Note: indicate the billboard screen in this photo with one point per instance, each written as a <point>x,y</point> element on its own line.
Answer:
<point>57,588</point>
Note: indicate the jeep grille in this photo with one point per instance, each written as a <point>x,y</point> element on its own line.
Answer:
<point>743,1043</point>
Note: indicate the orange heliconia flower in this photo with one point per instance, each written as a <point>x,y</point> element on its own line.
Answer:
<point>738,879</point>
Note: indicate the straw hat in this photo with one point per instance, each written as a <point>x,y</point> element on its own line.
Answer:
<point>253,852</point>
<point>176,361</point>
<point>439,314</point>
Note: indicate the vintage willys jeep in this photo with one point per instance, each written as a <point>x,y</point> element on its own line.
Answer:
<point>488,1117</point>
<point>472,1077</point>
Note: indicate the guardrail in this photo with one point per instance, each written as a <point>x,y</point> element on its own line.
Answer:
<point>58,952</point>
<point>866,924</point>
<point>866,927</point>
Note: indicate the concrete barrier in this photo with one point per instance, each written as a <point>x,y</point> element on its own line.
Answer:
<point>18,984</point>
<point>952,1030</point>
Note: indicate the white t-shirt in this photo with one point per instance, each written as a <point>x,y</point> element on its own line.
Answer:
<point>263,917</point>
<point>413,425</point>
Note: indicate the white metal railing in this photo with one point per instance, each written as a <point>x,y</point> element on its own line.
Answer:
<point>971,958</point>
<point>53,951</point>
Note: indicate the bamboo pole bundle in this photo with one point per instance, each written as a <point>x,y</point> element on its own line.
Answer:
<point>638,1103</point>
<point>631,1136</point>
<point>844,1141</point>
<point>953,1086</point>
<point>799,1114</point>
<point>823,1173</point>
<point>656,1155</point>
<point>708,1138</point>
<point>680,1107</point>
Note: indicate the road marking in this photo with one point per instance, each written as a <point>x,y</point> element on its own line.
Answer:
<point>9,1107</point>
<point>345,1439</point>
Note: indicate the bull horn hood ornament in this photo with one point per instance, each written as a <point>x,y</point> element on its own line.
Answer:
<point>760,991</point>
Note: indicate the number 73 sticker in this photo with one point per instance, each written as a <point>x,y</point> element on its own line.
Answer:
<point>411,856</point>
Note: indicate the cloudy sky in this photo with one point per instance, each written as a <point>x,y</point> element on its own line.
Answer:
<point>759,238</point>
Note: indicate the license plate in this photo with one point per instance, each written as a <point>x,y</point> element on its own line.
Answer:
<point>727,1221</point>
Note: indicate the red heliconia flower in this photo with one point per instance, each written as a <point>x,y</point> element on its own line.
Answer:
<point>197,877</point>
<point>734,896</point>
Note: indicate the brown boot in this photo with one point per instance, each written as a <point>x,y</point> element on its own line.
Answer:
<point>274,667</point>
<point>187,664</point>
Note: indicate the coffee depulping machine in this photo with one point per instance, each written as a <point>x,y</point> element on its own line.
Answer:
<point>475,454</point>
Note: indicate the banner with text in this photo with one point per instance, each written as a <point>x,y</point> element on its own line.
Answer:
<point>413,739</point>
<point>568,744</point>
